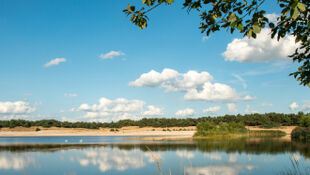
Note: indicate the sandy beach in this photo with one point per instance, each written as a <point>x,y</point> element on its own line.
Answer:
<point>125,131</point>
<point>178,132</point>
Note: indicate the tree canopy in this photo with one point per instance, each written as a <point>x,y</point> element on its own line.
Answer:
<point>247,17</point>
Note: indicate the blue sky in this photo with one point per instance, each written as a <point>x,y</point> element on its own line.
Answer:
<point>35,32</point>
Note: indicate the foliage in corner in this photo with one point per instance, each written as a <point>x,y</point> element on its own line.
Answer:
<point>248,17</point>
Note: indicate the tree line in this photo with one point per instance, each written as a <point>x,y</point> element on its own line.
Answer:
<point>264,120</point>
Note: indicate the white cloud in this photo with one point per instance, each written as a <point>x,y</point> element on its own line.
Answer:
<point>185,112</point>
<point>118,109</point>
<point>212,110</point>
<point>153,78</point>
<point>293,106</point>
<point>306,106</point>
<point>261,49</point>
<point>55,62</point>
<point>232,107</point>
<point>197,86</point>
<point>272,17</point>
<point>18,107</point>
<point>153,111</point>
<point>70,95</point>
<point>111,54</point>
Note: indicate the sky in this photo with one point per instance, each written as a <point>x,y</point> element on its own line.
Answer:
<point>80,60</point>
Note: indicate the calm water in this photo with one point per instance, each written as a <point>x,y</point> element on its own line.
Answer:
<point>122,155</point>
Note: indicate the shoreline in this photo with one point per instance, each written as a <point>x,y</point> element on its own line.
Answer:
<point>172,132</point>
<point>178,132</point>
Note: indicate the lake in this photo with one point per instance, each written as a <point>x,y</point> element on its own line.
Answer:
<point>136,156</point>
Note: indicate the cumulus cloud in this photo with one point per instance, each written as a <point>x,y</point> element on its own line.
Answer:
<point>18,107</point>
<point>196,85</point>
<point>153,111</point>
<point>185,112</point>
<point>70,95</point>
<point>153,78</point>
<point>112,54</point>
<point>293,106</point>
<point>306,106</point>
<point>118,109</point>
<point>272,17</point>
<point>55,62</point>
<point>212,110</point>
<point>261,49</point>
<point>232,107</point>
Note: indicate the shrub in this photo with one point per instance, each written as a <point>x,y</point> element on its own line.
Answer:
<point>112,130</point>
<point>305,121</point>
<point>301,134</point>
<point>208,128</point>
<point>38,129</point>
<point>270,125</point>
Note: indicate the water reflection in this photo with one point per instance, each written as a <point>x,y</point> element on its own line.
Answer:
<point>195,157</point>
<point>14,161</point>
<point>112,158</point>
<point>233,169</point>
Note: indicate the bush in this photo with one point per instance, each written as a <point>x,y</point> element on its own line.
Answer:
<point>38,129</point>
<point>208,128</point>
<point>305,121</point>
<point>301,134</point>
<point>270,125</point>
<point>112,130</point>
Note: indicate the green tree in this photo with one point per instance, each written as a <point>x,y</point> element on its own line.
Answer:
<point>305,121</point>
<point>248,17</point>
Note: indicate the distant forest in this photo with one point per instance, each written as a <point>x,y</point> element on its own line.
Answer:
<point>266,120</point>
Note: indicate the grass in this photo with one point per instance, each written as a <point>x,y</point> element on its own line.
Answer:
<point>296,168</point>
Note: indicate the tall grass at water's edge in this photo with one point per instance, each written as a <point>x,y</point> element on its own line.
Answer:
<point>296,168</point>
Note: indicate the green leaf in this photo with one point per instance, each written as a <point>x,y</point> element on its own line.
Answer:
<point>256,28</point>
<point>232,17</point>
<point>169,1</point>
<point>240,26</point>
<point>295,14</point>
<point>233,25</point>
<point>301,7</point>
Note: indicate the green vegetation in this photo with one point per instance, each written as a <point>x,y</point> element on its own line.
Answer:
<point>38,129</point>
<point>305,121</point>
<point>247,17</point>
<point>113,130</point>
<point>302,133</point>
<point>263,120</point>
<point>209,129</point>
